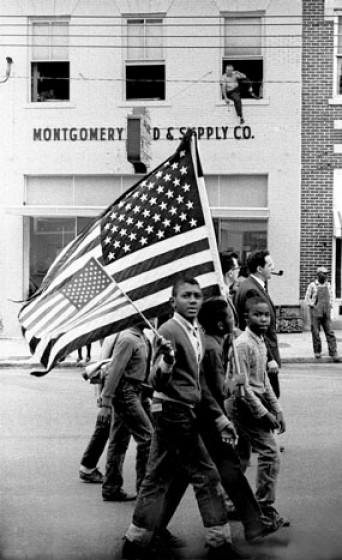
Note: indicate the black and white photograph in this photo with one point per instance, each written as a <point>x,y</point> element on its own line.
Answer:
<point>171,280</point>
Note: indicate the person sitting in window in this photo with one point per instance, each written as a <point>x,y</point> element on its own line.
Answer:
<point>47,95</point>
<point>230,86</point>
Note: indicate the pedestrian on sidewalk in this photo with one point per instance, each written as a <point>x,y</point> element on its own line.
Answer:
<point>80,355</point>
<point>320,301</point>
<point>257,412</point>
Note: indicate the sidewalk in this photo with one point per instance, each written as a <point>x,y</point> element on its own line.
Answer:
<point>294,347</point>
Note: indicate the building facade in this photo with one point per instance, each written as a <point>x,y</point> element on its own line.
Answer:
<point>85,76</point>
<point>321,222</point>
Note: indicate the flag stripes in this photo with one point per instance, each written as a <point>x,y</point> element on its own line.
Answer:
<point>126,261</point>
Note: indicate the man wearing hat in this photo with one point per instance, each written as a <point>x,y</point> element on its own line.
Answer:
<point>319,299</point>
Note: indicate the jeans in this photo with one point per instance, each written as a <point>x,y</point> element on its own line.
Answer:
<point>117,447</point>
<point>96,445</point>
<point>178,450</point>
<point>325,323</point>
<point>130,419</point>
<point>265,445</point>
<point>233,481</point>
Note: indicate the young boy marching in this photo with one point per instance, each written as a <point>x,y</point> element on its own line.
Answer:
<point>176,443</point>
<point>257,412</point>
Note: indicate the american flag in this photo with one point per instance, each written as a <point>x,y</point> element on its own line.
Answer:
<point>133,252</point>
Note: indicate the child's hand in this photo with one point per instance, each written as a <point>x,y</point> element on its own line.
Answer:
<point>273,367</point>
<point>165,348</point>
<point>229,435</point>
<point>281,422</point>
<point>271,421</point>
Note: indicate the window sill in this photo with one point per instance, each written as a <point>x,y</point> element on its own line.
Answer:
<point>146,103</point>
<point>336,100</point>
<point>50,105</point>
<point>263,101</point>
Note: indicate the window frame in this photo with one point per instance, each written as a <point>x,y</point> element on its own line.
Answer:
<point>145,61</point>
<point>241,251</point>
<point>51,57</point>
<point>226,59</point>
<point>337,74</point>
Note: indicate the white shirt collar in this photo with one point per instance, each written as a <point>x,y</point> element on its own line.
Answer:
<point>261,282</point>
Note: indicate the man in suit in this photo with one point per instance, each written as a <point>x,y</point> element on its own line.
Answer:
<point>230,271</point>
<point>260,265</point>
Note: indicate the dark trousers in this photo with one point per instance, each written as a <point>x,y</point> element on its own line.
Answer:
<point>235,96</point>
<point>130,419</point>
<point>274,381</point>
<point>117,447</point>
<point>178,450</point>
<point>233,481</point>
<point>325,323</point>
<point>96,445</point>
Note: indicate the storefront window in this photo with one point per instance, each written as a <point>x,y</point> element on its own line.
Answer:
<point>48,236</point>
<point>240,236</point>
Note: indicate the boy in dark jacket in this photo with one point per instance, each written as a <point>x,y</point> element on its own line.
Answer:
<point>176,443</point>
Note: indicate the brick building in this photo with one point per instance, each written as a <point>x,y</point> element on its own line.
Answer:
<point>321,193</point>
<point>81,69</point>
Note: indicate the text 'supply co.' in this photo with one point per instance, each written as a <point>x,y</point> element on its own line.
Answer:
<point>110,134</point>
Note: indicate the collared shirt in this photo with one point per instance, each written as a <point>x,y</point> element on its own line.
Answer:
<point>130,359</point>
<point>262,284</point>
<point>192,330</point>
<point>252,353</point>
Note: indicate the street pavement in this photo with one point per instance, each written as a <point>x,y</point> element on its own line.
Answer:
<point>47,513</point>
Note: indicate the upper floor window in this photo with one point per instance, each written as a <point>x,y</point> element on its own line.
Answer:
<point>50,66</point>
<point>243,38</point>
<point>338,83</point>
<point>145,66</point>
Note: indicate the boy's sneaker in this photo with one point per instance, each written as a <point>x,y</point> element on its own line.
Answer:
<point>281,522</point>
<point>95,476</point>
<point>277,523</point>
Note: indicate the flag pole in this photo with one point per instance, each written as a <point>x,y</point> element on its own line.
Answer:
<point>148,323</point>
<point>206,209</point>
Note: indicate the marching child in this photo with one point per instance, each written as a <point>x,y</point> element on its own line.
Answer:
<point>257,412</point>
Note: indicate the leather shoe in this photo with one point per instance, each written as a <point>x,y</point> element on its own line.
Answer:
<point>94,477</point>
<point>119,496</point>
